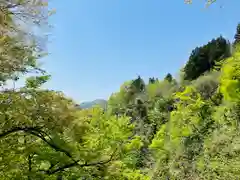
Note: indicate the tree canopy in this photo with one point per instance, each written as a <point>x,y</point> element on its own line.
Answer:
<point>206,57</point>
<point>162,129</point>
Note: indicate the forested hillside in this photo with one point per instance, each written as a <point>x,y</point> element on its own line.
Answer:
<point>97,102</point>
<point>185,128</point>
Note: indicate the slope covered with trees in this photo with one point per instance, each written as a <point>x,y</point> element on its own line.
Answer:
<point>206,57</point>
<point>162,129</point>
<point>97,102</point>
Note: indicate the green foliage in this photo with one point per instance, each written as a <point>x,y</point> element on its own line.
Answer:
<point>152,80</point>
<point>56,134</point>
<point>204,58</point>
<point>168,77</point>
<point>237,35</point>
<point>160,130</point>
<point>20,46</point>
<point>230,77</point>
<point>200,139</point>
<point>36,82</point>
<point>207,85</point>
<point>15,58</point>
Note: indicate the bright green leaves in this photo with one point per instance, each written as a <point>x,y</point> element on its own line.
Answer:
<point>179,140</point>
<point>41,116</point>
<point>230,79</point>
<point>161,89</point>
<point>220,158</point>
<point>200,141</point>
<point>149,131</point>
<point>84,140</point>
<point>35,108</point>
<point>135,175</point>
<point>37,81</point>
<point>159,140</point>
<point>134,144</point>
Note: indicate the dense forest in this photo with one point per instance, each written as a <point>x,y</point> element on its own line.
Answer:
<point>174,128</point>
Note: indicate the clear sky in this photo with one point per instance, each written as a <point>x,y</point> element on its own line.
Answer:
<point>96,45</point>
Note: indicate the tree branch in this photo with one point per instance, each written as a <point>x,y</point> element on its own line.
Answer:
<point>29,165</point>
<point>17,129</point>
<point>38,133</point>
<point>74,164</point>
<point>51,144</point>
<point>11,5</point>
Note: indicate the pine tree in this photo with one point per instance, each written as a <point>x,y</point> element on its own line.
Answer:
<point>237,35</point>
<point>168,77</point>
<point>204,58</point>
<point>151,80</point>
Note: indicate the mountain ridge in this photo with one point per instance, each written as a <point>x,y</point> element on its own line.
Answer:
<point>88,104</point>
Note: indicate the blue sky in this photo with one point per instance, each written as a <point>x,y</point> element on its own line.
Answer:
<point>97,45</point>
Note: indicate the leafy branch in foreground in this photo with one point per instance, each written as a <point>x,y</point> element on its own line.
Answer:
<point>76,163</point>
<point>36,131</point>
<point>85,138</point>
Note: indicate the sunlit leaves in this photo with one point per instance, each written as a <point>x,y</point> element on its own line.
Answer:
<point>230,79</point>
<point>37,81</point>
<point>201,139</point>
<point>15,58</point>
<point>67,138</point>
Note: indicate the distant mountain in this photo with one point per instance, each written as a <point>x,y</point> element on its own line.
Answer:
<point>101,102</point>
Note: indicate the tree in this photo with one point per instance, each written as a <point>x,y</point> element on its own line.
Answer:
<point>220,159</point>
<point>237,35</point>
<point>190,126</point>
<point>168,77</point>
<point>20,45</point>
<point>207,85</point>
<point>22,15</point>
<point>204,58</point>
<point>151,80</point>
<point>179,140</point>
<point>58,138</point>
<point>158,130</point>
